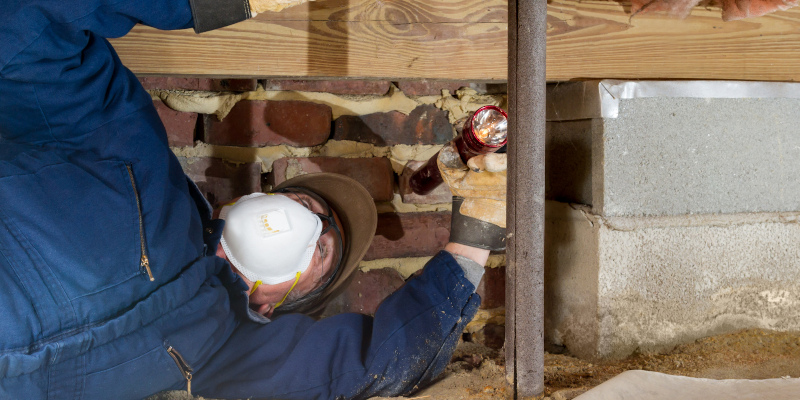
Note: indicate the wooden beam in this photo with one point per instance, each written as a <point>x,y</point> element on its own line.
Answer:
<point>467,40</point>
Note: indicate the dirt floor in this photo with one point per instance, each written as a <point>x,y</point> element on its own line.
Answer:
<point>477,372</point>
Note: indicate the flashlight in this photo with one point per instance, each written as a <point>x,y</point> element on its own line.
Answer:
<point>486,131</point>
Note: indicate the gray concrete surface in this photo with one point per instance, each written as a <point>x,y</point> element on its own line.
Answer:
<point>615,285</point>
<point>674,154</point>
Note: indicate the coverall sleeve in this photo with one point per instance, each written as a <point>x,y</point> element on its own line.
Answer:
<point>405,346</point>
<point>59,76</point>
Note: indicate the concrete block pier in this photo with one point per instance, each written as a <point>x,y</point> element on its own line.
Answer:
<point>673,213</point>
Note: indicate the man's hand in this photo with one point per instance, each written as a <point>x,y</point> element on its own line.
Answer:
<point>481,183</point>
<point>479,198</point>
<point>259,6</point>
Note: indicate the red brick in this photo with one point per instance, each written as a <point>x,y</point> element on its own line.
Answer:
<point>266,123</point>
<point>375,174</point>
<point>409,235</point>
<point>439,195</point>
<point>492,288</point>
<point>425,125</point>
<point>182,83</point>
<point>366,291</point>
<point>221,181</point>
<point>175,83</point>
<point>180,126</point>
<point>234,85</point>
<point>335,87</point>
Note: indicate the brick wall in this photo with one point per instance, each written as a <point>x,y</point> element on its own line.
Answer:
<point>276,130</point>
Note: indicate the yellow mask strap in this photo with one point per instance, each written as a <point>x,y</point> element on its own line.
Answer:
<point>255,286</point>
<point>296,279</point>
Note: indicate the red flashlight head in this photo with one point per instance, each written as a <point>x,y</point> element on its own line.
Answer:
<point>487,130</point>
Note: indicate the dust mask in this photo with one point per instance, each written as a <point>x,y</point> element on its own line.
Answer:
<point>269,237</point>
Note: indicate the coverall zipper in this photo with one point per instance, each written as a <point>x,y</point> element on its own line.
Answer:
<point>186,370</point>
<point>144,261</point>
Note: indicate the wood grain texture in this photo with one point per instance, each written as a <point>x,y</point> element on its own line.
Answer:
<point>467,40</point>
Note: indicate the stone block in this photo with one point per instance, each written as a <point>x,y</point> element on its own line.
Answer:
<point>375,173</point>
<point>252,123</point>
<point>425,125</point>
<point>615,285</point>
<point>180,125</point>
<point>437,196</point>
<point>221,181</point>
<point>409,235</point>
<point>674,148</point>
<point>335,87</point>
<point>365,292</point>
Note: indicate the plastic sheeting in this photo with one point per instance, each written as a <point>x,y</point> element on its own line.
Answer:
<point>637,385</point>
<point>600,99</point>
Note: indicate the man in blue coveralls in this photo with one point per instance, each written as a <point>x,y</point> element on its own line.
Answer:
<point>117,281</point>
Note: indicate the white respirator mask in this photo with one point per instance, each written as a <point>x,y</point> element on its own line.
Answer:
<point>269,237</point>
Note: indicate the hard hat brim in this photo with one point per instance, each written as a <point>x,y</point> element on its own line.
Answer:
<point>356,209</point>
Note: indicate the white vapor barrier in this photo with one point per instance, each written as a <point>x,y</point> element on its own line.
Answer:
<point>636,385</point>
<point>600,99</point>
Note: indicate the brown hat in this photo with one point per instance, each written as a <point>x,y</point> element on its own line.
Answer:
<point>356,210</point>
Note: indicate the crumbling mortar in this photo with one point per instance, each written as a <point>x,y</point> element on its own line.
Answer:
<point>458,105</point>
<point>407,266</point>
<point>399,155</point>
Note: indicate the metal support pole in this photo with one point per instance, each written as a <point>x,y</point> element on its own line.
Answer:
<point>527,29</point>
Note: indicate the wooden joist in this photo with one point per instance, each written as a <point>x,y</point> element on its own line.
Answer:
<point>467,40</point>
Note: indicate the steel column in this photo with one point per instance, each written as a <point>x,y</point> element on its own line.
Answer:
<point>527,28</point>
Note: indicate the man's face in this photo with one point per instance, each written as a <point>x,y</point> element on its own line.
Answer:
<point>265,297</point>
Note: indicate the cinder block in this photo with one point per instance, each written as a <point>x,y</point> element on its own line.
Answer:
<point>252,123</point>
<point>615,285</point>
<point>690,227</point>
<point>335,87</point>
<point>375,173</point>
<point>180,126</point>
<point>221,181</point>
<point>673,148</point>
<point>409,235</point>
<point>425,125</point>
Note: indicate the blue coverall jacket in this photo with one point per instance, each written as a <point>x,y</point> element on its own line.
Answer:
<point>89,191</point>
